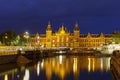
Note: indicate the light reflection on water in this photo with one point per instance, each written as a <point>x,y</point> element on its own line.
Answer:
<point>27,75</point>
<point>62,68</point>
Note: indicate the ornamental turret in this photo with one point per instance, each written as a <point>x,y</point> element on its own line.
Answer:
<point>76,36</point>
<point>48,35</point>
<point>49,30</point>
<point>49,27</point>
<point>76,30</point>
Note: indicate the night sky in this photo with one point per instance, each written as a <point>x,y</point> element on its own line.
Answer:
<point>94,16</point>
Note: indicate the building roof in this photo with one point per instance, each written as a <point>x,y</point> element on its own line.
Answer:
<point>40,35</point>
<point>116,33</point>
<point>95,35</point>
<point>108,35</point>
<point>62,30</point>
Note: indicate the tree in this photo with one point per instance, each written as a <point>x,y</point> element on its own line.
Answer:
<point>9,37</point>
<point>22,40</point>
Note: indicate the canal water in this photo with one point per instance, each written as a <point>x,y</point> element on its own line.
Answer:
<point>59,68</point>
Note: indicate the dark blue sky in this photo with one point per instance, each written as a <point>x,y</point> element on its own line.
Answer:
<point>94,16</point>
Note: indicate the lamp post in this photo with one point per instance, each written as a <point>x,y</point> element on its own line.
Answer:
<point>26,35</point>
<point>4,38</point>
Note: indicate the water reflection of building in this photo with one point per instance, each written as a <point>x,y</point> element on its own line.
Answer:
<point>62,66</point>
<point>63,38</point>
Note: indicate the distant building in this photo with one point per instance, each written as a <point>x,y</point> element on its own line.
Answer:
<point>63,38</point>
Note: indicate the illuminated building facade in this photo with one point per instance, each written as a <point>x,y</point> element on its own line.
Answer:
<point>63,38</point>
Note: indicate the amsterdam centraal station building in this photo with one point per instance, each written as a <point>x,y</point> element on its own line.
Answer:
<point>63,38</point>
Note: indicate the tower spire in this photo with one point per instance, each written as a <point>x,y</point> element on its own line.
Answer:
<point>49,26</point>
<point>62,26</point>
<point>76,26</point>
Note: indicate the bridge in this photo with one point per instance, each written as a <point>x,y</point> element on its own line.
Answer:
<point>11,53</point>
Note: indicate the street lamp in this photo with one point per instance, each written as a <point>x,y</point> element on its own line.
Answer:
<point>26,35</point>
<point>4,38</point>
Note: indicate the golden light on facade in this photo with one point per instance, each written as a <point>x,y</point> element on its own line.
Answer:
<point>53,40</point>
<point>67,39</point>
<point>38,37</point>
<point>58,39</point>
<point>75,39</point>
<point>62,32</point>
